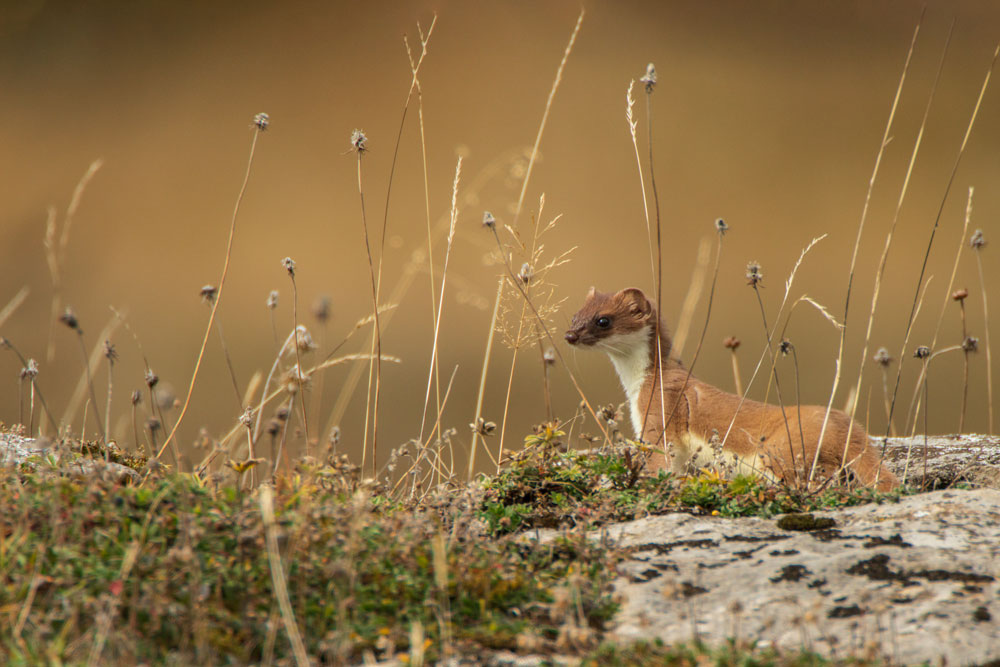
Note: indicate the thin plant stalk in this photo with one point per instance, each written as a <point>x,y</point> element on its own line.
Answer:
<point>541,324</point>
<point>258,127</point>
<point>880,272</point>
<point>300,376</point>
<point>861,226</point>
<point>90,386</point>
<point>736,371</point>
<point>377,333</point>
<point>937,218</point>
<point>444,280</point>
<point>986,325</point>
<point>545,114</point>
<point>965,372</point>
<point>693,296</point>
<point>482,379</point>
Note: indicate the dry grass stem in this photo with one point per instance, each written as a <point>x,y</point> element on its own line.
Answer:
<point>278,576</point>
<point>695,287</point>
<point>986,324</point>
<point>482,380</point>
<point>444,281</point>
<point>258,127</point>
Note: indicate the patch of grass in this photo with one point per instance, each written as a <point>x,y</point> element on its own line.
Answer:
<point>177,570</point>
<point>546,488</point>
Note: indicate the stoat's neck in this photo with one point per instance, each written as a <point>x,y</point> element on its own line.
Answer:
<point>636,358</point>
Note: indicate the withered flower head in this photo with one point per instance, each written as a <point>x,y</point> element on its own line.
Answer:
<point>109,351</point>
<point>289,265</point>
<point>483,428</point>
<point>136,397</point>
<point>882,357</point>
<point>970,344</point>
<point>247,417</point>
<point>153,424</point>
<point>489,220</point>
<point>755,275</point>
<point>649,79</point>
<point>335,435</point>
<point>731,343</point>
<point>30,371</point>
<point>272,299</point>
<point>785,347</point>
<point>549,356</point>
<point>281,413</point>
<point>151,378</point>
<point>208,293</point>
<point>359,141</point>
<point>69,319</point>
<point>960,294</point>
<point>721,226</point>
<point>321,308</point>
<point>304,340</point>
<point>262,121</point>
<point>525,274</point>
<point>273,427</point>
<point>977,240</point>
<point>922,352</point>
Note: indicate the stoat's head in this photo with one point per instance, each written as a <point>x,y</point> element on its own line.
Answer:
<point>606,315</point>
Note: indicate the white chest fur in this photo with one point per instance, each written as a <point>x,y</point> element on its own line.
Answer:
<point>630,355</point>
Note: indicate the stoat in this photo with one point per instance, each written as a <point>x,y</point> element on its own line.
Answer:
<point>762,439</point>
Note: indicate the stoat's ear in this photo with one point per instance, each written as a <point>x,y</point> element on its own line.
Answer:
<point>636,301</point>
<point>592,292</point>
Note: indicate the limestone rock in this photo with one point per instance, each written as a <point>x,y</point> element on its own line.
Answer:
<point>17,450</point>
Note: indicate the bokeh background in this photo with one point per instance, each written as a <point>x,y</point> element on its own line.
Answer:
<point>768,114</point>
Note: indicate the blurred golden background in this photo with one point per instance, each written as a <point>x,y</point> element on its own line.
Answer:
<point>768,114</point>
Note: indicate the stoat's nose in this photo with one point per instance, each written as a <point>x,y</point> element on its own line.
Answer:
<point>572,337</point>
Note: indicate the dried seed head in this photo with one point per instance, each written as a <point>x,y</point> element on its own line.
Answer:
<point>153,424</point>
<point>549,356</point>
<point>321,308</point>
<point>525,274</point>
<point>208,293</point>
<point>721,226</point>
<point>977,240</point>
<point>755,274</point>
<point>922,352</point>
<point>151,378</point>
<point>960,294</point>
<point>488,220</point>
<point>335,435</point>
<point>272,299</point>
<point>281,413</point>
<point>136,397</point>
<point>483,428</point>
<point>30,371</point>
<point>273,427</point>
<point>109,352</point>
<point>69,319</point>
<point>359,141</point>
<point>970,344</point>
<point>731,343</point>
<point>785,347</point>
<point>261,121</point>
<point>247,417</point>
<point>304,340</point>
<point>649,79</point>
<point>289,265</point>
<point>882,357</point>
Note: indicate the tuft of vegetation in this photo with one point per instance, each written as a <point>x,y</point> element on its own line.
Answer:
<point>698,653</point>
<point>177,570</point>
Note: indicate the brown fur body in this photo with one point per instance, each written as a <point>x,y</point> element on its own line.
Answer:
<point>697,415</point>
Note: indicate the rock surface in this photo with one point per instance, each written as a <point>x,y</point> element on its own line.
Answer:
<point>950,459</point>
<point>911,581</point>
<point>17,450</point>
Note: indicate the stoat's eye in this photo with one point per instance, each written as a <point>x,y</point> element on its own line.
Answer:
<point>603,322</point>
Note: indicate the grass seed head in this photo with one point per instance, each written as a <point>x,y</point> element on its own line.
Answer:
<point>755,274</point>
<point>321,308</point>
<point>731,343</point>
<point>359,142</point>
<point>69,319</point>
<point>922,352</point>
<point>208,293</point>
<point>262,121</point>
<point>721,226</point>
<point>525,274</point>
<point>649,78</point>
<point>785,347</point>
<point>960,294</point>
<point>970,344</point>
<point>30,371</point>
<point>151,378</point>
<point>272,299</point>
<point>109,352</point>
<point>488,220</point>
<point>977,241</point>
<point>289,265</point>
<point>882,357</point>
<point>136,397</point>
<point>549,356</point>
